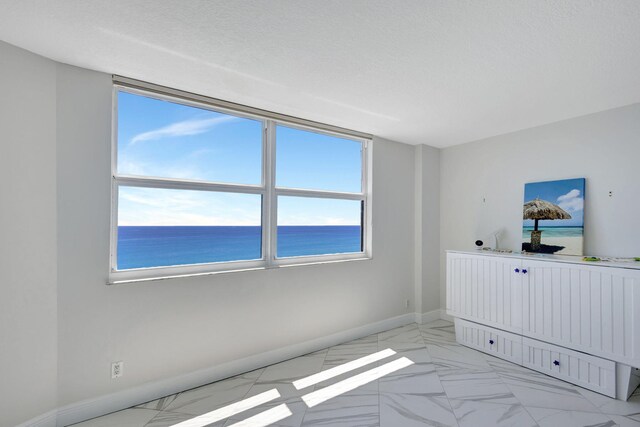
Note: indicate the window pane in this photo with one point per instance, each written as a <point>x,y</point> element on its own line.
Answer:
<point>311,226</point>
<point>319,162</point>
<point>169,140</point>
<point>158,227</point>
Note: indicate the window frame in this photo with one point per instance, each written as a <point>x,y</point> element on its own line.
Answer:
<point>267,189</point>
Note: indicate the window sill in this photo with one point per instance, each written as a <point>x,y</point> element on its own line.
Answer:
<point>240,270</point>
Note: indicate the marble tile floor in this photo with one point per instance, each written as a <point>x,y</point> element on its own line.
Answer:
<point>445,384</point>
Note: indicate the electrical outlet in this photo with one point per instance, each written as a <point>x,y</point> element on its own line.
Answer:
<point>116,369</point>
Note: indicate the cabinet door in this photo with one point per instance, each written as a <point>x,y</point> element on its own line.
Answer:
<point>485,289</point>
<point>586,308</point>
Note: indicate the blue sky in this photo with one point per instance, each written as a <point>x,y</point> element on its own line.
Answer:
<point>568,194</point>
<point>164,139</point>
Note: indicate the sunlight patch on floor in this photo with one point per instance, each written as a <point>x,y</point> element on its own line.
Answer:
<point>314,398</point>
<point>339,370</point>
<point>230,410</point>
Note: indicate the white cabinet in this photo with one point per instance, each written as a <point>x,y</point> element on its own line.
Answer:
<point>555,305</point>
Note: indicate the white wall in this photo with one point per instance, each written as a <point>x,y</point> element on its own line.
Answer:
<point>427,229</point>
<point>604,148</point>
<point>430,228</point>
<point>167,328</point>
<point>28,326</point>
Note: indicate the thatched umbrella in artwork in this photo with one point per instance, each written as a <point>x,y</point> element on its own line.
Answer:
<point>541,210</point>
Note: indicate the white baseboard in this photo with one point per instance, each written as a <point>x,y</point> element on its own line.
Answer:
<point>106,404</point>
<point>431,316</point>
<point>44,420</point>
<point>445,316</point>
<point>417,318</point>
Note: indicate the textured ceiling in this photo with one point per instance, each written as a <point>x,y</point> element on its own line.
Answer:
<point>416,71</point>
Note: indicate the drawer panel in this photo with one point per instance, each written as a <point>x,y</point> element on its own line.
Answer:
<point>587,371</point>
<point>498,343</point>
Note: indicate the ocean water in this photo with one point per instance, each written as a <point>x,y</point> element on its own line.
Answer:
<point>554,232</point>
<point>158,246</point>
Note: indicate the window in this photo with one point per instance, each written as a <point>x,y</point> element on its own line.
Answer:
<point>201,185</point>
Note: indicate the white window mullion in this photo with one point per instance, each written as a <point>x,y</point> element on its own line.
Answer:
<point>113,259</point>
<point>266,197</point>
<point>182,184</point>
<point>367,190</point>
<point>114,226</point>
<point>272,197</point>
<point>364,223</point>
<point>321,194</point>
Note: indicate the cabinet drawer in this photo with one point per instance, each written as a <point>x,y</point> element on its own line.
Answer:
<point>587,371</point>
<point>489,340</point>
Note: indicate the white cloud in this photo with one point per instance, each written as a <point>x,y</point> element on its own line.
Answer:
<point>571,202</point>
<point>142,206</point>
<point>183,128</point>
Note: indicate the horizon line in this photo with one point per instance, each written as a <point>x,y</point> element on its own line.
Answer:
<point>244,225</point>
<point>553,226</point>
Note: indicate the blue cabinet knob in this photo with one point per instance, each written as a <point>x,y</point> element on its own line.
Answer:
<point>524,271</point>
<point>557,363</point>
<point>491,342</point>
<point>517,270</point>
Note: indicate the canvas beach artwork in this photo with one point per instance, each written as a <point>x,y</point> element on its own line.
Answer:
<point>553,217</point>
